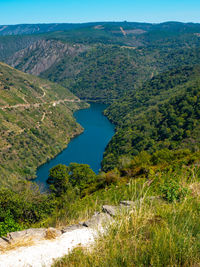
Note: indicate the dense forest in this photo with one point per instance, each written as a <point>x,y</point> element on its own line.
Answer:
<point>99,62</point>
<point>164,114</point>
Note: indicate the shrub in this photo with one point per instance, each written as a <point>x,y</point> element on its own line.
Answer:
<point>9,225</point>
<point>171,191</point>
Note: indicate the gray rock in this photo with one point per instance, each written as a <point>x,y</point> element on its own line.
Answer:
<point>32,233</point>
<point>113,210</point>
<point>127,203</point>
<point>138,201</point>
<point>72,228</point>
<point>98,220</point>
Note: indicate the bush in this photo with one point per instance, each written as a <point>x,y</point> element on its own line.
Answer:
<point>9,225</point>
<point>172,191</point>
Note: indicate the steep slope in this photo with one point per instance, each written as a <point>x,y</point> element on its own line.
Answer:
<point>99,72</point>
<point>42,54</point>
<point>9,45</point>
<point>164,114</point>
<point>103,62</point>
<point>36,119</point>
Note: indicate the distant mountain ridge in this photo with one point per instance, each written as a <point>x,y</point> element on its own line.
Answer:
<point>21,29</point>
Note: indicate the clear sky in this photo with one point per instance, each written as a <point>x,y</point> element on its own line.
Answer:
<point>49,11</point>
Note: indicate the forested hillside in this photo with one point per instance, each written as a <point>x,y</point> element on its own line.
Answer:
<point>163,114</point>
<point>107,26</point>
<point>141,69</point>
<point>103,61</point>
<point>37,122</point>
<point>9,45</point>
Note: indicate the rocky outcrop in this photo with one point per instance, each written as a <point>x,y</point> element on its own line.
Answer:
<point>72,228</point>
<point>33,234</point>
<point>112,210</point>
<point>127,203</point>
<point>42,55</point>
<point>100,220</point>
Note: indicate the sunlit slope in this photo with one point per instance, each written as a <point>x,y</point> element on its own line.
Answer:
<point>36,122</point>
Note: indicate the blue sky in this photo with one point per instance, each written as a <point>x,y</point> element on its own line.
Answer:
<point>47,11</point>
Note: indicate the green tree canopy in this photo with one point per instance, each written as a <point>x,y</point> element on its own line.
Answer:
<point>81,175</point>
<point>58,179</point>
<point>78,176</point>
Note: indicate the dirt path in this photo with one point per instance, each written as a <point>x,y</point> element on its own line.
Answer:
<point>44,252</point>
<point>43,116</point>
<point>36,105</point>
<point>44,93</point>
<point>129,47</point>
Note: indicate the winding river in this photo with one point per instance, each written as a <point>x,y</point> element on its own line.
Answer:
<point>86,148</point>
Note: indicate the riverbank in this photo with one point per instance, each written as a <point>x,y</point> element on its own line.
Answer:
<point>86,148</point>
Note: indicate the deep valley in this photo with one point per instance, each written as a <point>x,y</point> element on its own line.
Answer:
<point>148,78</point>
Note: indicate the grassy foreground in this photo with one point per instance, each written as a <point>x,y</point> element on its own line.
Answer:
<point>162,232</point>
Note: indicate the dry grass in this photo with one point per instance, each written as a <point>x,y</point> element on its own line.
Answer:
<point>51,234</point>
<point>17,244</point>
<point>195,188</point>
<point>153,234</point>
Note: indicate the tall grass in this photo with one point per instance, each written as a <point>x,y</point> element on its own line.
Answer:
<point>153,234</point>
<point>84,208</point>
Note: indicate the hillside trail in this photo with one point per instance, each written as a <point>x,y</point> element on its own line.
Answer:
<point>37,105</point>
<point>44,93</point>
<point>45,252</point>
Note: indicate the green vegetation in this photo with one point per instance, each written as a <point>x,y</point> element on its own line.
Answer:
<point>160,231</point>
<point>150,78</point>
<point>11,44</point>
<point>165,114</point>
<point>154,234</point>
<point>23,206</point>
<point>108,72</point>
<point>103,64</point>
<point>33,129</point>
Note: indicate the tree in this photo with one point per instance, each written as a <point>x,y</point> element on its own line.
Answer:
<point>58,179</point>
<point>81,176</point>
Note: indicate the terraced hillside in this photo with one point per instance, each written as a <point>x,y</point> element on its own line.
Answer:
<point>36,118</point>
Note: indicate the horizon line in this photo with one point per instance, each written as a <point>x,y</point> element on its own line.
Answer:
<point>109,21</point>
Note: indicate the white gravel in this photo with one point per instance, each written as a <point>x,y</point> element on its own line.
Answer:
<point>44,252</point>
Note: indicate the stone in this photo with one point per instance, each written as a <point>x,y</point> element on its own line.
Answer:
<point>72,228</point>
<point>32,233</point>
<point>112,210</point>
<point>138,201</point>
<point>127,203</point>
<point>98,220</point>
